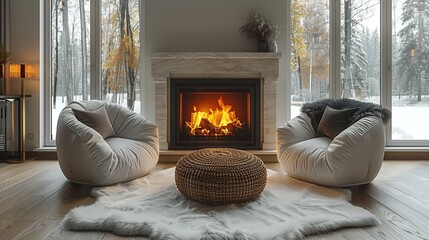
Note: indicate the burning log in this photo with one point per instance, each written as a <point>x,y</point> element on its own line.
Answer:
<point>219,122</point>
<point>230,128</point>
<point>234,127</point>
<point>205,123</point>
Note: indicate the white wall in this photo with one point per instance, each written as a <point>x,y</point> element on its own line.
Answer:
<point>24,46</point>
<point>208,26</point>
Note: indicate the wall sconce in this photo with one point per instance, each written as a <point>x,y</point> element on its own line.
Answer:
<point>22,71</point>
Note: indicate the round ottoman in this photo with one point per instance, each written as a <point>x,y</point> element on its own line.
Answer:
<point>220,175</point>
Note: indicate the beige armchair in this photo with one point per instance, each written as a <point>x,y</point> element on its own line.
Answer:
<point>353,157</point>
<point>86,157</point>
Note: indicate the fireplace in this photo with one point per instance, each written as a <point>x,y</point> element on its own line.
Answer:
<point>192,67</point>
<point>216,112</point>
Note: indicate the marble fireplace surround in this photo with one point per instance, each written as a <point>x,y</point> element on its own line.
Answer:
<point>265,66</point>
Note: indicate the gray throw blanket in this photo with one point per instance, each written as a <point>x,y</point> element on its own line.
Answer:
<point>314,110</point>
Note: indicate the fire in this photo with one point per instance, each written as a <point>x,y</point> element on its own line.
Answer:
<point>221,121</point>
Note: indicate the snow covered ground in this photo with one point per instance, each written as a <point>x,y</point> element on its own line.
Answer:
<point>410,119</point>
<point>60,105</point>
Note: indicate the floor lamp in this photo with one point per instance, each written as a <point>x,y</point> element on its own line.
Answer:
<point>22,71</point>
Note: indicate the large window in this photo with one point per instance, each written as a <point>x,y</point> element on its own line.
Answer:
<point>94,52</point>
<point>359,48</point>
<point>309,52</point>
<point>317,26</point>
<point>369,50</point>
<point>410,70</point>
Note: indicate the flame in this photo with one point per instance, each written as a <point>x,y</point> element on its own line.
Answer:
<point>221,121</point>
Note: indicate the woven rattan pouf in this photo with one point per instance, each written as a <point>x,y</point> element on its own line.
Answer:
<point>220,175</point>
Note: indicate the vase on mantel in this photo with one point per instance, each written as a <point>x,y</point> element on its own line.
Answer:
<point>262,45</point>
<point>273,46</point>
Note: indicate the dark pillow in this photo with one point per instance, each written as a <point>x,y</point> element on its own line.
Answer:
<point>97,120</point>
<point>333,121</point>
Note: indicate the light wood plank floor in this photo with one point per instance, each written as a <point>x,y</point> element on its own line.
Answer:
<point>34,196</point>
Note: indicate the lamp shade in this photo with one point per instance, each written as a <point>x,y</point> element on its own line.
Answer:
<point>22,71</point>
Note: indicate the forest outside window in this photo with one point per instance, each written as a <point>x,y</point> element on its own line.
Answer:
<point>404,87</point>
<point>368,50</point>
<point>94,54</point>
<point>359,48</point>
<point>410,71</point>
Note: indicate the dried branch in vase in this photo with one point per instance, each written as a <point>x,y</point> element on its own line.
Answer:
<point>259,27</point>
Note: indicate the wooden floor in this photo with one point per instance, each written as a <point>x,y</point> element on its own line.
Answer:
<point>34,196</point>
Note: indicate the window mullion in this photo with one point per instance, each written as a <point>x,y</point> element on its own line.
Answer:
<point>386,61</point>
<point>142,64</point>
<point>95,52</point>
<point>45,74</point>
<point>335,48</point>
<point>288,50</point>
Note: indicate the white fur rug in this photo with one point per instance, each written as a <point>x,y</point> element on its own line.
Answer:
<point>153,207</point>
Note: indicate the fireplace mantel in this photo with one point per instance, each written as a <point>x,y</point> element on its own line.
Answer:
<point>257,55</point>
<point>166,65</point>
<point>250,64</point>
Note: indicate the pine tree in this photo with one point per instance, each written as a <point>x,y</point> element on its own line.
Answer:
<point>373,67</point>
<point>359,64</point>
<point>413,64</point>
<point>353,57</point>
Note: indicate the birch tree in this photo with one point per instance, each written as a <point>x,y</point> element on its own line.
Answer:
<point>314,67</point>
<point>55,65</point>
<point>68,78</point>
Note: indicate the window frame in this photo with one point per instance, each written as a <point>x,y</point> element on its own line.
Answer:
<point>335,86</point>
<point>385,63</point>
<point>95,62</point>
<point>386,69</point>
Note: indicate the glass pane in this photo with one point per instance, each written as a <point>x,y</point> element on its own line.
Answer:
<point>69,55</point>
<point>410,78</point>
<point>309,52</point>
<point>120,46</point>
<point>360,50</point>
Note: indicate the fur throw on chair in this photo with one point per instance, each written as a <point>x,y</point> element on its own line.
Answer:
<point>314,110</point>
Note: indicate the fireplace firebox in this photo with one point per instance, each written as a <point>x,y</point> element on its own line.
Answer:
<point>215,112</point>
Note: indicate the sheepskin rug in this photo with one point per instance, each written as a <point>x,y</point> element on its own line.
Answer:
<point>153,207</point>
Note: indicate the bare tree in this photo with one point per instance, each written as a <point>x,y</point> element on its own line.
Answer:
<point>129,60</point>
<point>68,78</point>
<point>298,47</point>
<point>123,59</point>
<point>55,65</point>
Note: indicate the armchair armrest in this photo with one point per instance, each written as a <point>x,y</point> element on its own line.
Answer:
<point>296,130</point>
<point>358,149</point>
